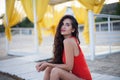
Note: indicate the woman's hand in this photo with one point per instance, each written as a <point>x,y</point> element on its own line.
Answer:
<point>41,66</point>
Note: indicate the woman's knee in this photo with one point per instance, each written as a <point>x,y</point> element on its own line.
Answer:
<point>48,70</point>
<point>55,74</point>
<point>55,71</point>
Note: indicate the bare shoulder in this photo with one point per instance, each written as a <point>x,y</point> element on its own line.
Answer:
<point>69,41</point>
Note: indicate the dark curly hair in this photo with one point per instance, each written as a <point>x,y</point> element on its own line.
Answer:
<point>58,40</point>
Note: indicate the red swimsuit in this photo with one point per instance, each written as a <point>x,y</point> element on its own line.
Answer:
<point>80,67</point>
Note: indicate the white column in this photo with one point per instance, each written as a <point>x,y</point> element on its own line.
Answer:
<point>111,26</point>
<point>99,27</point>
<point>91,33</point>
<point>109,37</point>
<point>35,28</point>
<point>6,40</point>
<point>108,24</point>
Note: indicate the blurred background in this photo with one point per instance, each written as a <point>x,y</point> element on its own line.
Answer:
<point>21,38</point>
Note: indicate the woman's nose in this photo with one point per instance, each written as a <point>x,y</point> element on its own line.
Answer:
<point>63,26</point>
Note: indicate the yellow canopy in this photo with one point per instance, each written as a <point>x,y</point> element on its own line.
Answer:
<point>13,17</point>
<point>48,16</point>
<point>41,7</point>
<point>81,13</point>
<point>51,19</point>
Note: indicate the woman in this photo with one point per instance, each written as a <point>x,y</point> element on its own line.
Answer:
<point>68,62</point>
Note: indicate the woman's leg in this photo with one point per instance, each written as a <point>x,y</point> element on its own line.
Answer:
<point>47,73</point>
<point>59,74</point>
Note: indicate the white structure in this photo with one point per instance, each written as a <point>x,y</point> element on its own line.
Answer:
<point>91,30</point>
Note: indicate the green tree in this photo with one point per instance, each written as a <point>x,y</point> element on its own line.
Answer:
<point>2,29</point>
<point>118,9</point>
<point>25,23</point>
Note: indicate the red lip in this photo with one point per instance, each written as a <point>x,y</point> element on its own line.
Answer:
<point>63,30</point>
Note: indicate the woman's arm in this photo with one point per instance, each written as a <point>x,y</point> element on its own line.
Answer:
<point>68,66</point>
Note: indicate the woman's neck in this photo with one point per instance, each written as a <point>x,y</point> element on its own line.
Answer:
<point>67,36</point>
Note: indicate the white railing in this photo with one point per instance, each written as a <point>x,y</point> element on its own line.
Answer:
<point>109,36</point>
<point>22,42</point>
<point>22,31</point>
<point>106,34</point>
<point>99,26</point>
<point>112,23</point>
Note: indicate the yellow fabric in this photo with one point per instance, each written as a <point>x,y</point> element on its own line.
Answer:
<point>58,14</point>
<point>28,7</point>
<point>80,14</point>
<point>86,30</point>
<point>13,17</point>
<point>52,16</point>
<point>47,20</point>
<point>95,6</point>
<point>51,19</point>
<point>41,7</point>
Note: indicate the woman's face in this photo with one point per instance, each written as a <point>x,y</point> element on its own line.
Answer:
<point>66,29</point>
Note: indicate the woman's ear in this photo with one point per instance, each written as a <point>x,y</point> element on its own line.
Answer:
<point>73,30</point>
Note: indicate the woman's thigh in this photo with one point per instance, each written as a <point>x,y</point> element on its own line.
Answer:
<point>65,75</point>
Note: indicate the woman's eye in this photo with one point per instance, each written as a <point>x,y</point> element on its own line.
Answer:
<point>67,24</point>
<point>62,24</point>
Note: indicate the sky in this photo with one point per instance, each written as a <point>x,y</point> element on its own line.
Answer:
<point>2,5</point>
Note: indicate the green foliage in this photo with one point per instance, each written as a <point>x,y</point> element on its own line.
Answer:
<point>2,29</point>
<point>118,9</point>
<point>112,9</point>
<point>25,23</point>
<point>100,19</point>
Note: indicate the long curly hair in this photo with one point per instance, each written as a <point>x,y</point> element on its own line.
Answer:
<point>58,40</point>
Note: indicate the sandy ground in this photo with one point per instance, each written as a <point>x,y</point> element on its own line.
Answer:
<point>109,65</point>
<point>7,57</point>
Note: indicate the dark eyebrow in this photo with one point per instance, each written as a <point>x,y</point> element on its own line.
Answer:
<point>68,23</point>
